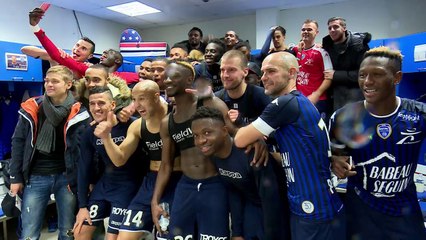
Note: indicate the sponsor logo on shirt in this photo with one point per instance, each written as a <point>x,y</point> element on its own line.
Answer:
<point>409,137</point>
<point>178,137</point>
<point>114,139</point>
<point>409,117</point>
<point>229,174</point>
<point>156,145</point>
<point>386,180</point>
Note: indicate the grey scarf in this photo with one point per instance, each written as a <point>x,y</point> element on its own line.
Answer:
<point>46,139</point>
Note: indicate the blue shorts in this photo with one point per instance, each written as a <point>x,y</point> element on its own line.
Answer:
<point>363,222</point>
<point>200,204</point>
<point>311,229</point>
<point>254,224</point>
<point>110,199</point>
<point>138,217</point>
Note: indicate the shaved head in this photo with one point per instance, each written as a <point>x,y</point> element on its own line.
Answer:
<point>146,86</point>
<point>284,60</point>
<point>279,73</point>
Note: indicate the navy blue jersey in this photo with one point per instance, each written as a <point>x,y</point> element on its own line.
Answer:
<point>213,75</point>
<point>250,105</point>
<point>303,141</point>
<point>385,164</point>
<point>91,144</point>
<point>258,186</point>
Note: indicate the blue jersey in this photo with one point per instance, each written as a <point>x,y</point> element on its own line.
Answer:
<point>212,74</point>
<point>91,144</point>
<point>303,141</point>
<point>386,163</point>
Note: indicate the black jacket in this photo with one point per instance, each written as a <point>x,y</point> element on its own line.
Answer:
<point>346,65</point>
<point>25,135</point>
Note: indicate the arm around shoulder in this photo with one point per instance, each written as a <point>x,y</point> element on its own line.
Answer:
<point>247,135</point>
<point>36,52</point>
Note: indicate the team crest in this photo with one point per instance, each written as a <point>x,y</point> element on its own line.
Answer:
<point>384,130</point>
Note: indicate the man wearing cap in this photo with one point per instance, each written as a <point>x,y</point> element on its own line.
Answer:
<point>254,74</point>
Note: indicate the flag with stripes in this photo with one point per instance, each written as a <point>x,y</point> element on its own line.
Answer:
<point>143,49</point>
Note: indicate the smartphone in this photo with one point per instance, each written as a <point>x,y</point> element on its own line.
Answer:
<point>44,6</point>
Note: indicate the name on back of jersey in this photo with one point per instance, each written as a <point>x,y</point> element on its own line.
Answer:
<point>285,162</point>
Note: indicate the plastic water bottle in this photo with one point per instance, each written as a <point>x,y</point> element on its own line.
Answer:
<point>164,221</point>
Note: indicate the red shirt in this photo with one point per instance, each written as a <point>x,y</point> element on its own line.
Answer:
<point>129,77</point>
<point>312,64</point>
<point>77,67</point>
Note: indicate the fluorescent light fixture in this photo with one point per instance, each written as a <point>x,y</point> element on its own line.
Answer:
<point>133,9</point>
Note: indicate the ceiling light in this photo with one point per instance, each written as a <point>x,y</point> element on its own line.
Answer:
<point>133,9</point>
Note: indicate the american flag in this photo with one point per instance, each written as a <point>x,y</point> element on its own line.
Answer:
<point>131,46</point>
<point>130,35</point>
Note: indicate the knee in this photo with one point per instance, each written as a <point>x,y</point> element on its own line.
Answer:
<point>84,234</point>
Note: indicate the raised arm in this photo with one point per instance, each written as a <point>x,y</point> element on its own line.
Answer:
<point>119,154</point>
<point>36,52</point>
<point>267,44</point>
<point>35,17</point>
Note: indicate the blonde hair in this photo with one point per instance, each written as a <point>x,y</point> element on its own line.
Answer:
<point>66,73</point>
<point>394,56</point>
<point>188,66</point>
<point>196,55</point>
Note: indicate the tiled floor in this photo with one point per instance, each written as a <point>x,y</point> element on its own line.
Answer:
<point>45,235</point>
<point>11,233</point>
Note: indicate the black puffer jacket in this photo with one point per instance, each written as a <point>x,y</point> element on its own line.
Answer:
<point>346,64</point>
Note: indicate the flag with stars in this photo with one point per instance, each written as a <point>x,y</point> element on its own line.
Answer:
<point>130,35</point>
<point>131,45</point>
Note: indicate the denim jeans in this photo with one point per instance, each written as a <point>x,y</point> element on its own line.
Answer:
<point>34,202</point>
